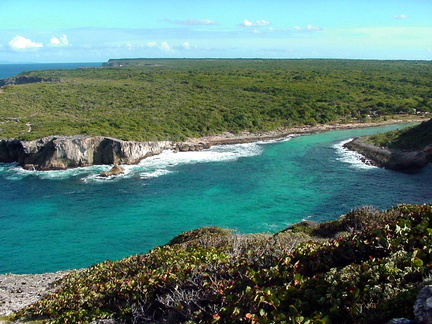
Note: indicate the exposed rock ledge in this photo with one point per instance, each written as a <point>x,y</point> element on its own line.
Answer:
<point>24,79</point>
<point>391,159</point>
<point>63,152</point>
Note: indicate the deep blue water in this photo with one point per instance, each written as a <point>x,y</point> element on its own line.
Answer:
<point>9,70</point>
<point>71,219</point>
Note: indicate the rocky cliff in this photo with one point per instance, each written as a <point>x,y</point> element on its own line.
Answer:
<point>390,158</point>
<point>24,79</point>
<point>63,152</point>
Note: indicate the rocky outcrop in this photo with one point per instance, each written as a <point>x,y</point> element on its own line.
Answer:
<point>24,79</point>
<point>63,152</point>
<point>422,309</point>
<point>389,158</point>
<point>191,146</point>
<point>423,306</point>
<point>115,170</point>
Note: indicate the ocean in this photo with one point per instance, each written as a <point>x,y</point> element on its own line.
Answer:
<point>71,219</point>
<point>10,70</point>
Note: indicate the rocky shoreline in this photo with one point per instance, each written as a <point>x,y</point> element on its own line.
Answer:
<point>63,152</point>
<point>391,159</point>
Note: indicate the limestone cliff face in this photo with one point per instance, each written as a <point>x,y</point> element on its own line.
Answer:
<point>392,159</point>
<point>62,152</point>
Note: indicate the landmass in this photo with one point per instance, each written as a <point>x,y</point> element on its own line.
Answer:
<point>405,150</point>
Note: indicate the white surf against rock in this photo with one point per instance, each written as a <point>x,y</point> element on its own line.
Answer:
<point>353,158</point>
<point>151,167</point>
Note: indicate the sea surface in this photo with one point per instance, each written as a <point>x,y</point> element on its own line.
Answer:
<point>60,220</point>
<point>10,70</point>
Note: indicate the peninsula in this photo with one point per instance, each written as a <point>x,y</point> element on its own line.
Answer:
<point>404,150</point>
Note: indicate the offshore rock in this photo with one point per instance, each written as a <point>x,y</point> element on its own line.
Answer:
<point>389,158</point>
<point>63,152</point>
<point>115,170</point>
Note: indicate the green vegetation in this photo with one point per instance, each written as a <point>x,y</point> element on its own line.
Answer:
<point>178,99</point>
<point>410,139</point>
<point>369,271</point>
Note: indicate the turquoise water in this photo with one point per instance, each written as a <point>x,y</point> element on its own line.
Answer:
<point>71,219</point>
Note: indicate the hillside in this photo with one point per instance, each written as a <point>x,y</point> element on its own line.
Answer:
<point>415,138</point>
<point>365,267</point>
<point>177,99</point>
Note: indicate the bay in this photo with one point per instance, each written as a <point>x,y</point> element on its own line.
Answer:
<point>61,220</point>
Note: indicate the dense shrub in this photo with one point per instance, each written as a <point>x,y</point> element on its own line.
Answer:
<point>179,99</point>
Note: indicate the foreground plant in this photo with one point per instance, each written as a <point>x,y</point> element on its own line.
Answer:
<point>370,274</point>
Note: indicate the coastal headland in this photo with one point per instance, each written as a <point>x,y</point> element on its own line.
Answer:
<point>63,152</point>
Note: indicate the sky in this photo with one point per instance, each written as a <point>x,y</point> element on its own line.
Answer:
<point>53,31</point>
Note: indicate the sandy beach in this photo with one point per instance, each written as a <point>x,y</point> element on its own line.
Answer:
<point>249,137</point>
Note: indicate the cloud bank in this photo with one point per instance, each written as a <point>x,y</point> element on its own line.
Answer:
<point>192,22</point>
<point>258,23</point>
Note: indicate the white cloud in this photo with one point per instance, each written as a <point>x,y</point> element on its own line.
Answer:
<point>258,23</point>
<point>151,44</point>
<point>402,16</point>
<point>186,45</point>
<point>193,22</point>
<point>165,47</point>
<point>59,42</point>
<point>308,28</point>
<point>22,43</point>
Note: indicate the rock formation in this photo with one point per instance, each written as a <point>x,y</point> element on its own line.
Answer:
<point>390,158</point>
<point>63,152</point>
<point>24,79</point>
<point>115,170</point>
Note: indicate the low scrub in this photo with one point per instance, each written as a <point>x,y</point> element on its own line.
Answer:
<point>370,274</point>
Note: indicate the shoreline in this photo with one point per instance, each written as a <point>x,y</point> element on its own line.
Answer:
<point>228,138</point>
<point>20,290</point>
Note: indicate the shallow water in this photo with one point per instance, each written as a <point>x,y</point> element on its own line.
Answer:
<point>71,219</point>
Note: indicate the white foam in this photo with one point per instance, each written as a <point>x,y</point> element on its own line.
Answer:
<point>353,158</point>
<point>164,163</point>
<point>148,168</point>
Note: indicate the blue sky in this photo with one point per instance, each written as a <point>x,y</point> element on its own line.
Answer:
<point>96,30</point>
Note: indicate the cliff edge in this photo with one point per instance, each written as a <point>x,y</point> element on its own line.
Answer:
<point>63,152</point>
